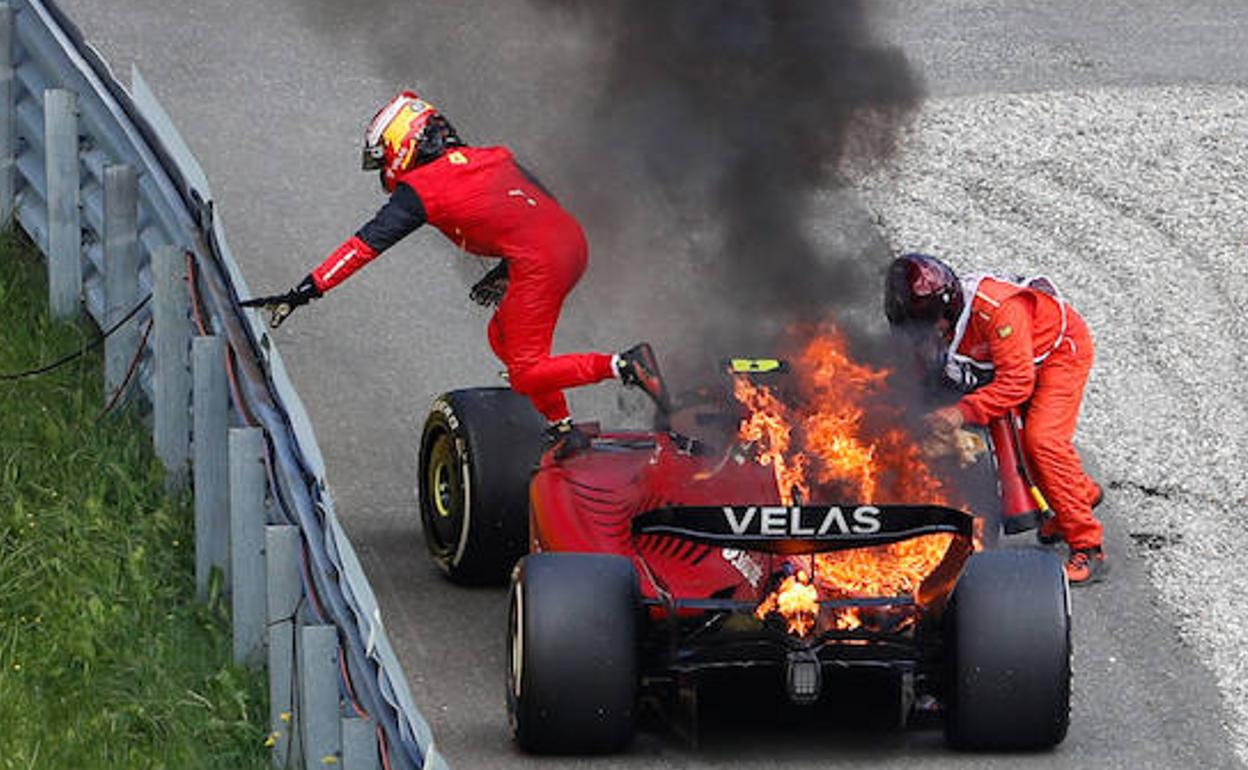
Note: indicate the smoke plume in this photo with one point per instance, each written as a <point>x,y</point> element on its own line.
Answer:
<point>732,118</point>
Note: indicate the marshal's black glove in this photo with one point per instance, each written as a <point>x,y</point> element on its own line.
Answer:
<point>282,305</point>
<point>488,291</point>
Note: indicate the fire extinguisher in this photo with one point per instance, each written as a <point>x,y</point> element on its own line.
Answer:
<point>1023,507</point>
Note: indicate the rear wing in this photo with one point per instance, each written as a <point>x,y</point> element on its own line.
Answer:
<point>799,529</point>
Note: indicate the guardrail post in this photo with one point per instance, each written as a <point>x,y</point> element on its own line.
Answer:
<point>210,419</point>
<point>8,118</point>
<point>318,696</point>
<point>359,744</point>
<point>247,594</point>
<point>121,273</point>
<point>60,125</point>
<point>171,348</point>
<point>281,558</point>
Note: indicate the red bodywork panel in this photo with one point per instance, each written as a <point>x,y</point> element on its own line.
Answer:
<point>586,503</point>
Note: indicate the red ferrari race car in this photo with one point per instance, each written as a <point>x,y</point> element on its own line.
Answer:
<point>655,558</point>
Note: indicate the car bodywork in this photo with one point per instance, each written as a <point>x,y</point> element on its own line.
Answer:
<point>710,541</point>
<point>647,562</point>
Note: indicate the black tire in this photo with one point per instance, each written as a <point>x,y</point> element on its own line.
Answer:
<point>477,452</point>
<point>1008,647</point>
<point>572,671</point>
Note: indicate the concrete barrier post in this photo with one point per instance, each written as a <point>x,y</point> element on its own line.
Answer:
<point>319,709</point>
<point>247,593</point>
<point>281,558</point>
<point>172,370</point>
<point>62,166</point>
<point>211,477</point>
<point>8,118</point>
<point>359,744</point>
<point>121,274</point>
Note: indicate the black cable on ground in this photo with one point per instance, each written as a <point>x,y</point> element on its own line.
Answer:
<point>92,345</point>
<point>130,370</point>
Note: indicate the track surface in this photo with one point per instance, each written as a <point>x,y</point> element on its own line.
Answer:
<point>271,97</point>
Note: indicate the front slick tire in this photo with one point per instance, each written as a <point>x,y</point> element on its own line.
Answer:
<point>572,672</point>
<point>1008,646</point>
<point>477,452</point>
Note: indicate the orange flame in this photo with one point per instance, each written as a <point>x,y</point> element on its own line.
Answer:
<point>820,439</point>
<point>796,600</point>
<point>824,433</point>
<point>896,569</point>
<point>767,427</point>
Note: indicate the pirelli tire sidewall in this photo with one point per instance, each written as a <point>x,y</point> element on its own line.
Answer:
<point>1007,647</point>
<point>573,658</point>
<point>477,452</point>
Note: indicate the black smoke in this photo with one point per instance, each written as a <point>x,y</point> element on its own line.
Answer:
<point>726,122</point>
<point>737,110</point>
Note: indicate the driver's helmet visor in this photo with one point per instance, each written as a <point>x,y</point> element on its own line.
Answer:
<point>374,157</point>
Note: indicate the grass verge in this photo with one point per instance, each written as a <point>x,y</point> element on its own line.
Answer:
<point>105,660</point>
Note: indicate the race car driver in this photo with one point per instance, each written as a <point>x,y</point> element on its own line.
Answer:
<point>1009,343</point>
<point>487,204</point>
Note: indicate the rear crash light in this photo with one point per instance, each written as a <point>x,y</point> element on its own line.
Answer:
<point>804,677</point>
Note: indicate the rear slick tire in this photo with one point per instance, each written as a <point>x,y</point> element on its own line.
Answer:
<point>572,663</point>
<point>1007,642</point>
<point>477,452</point>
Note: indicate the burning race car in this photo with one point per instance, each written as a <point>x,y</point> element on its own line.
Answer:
<point>655,558</point>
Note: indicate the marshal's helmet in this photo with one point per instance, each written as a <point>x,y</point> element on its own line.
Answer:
<point>921,289</point>
<point>405,133</point>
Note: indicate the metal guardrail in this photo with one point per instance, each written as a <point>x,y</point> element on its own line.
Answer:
<point>100,180</point>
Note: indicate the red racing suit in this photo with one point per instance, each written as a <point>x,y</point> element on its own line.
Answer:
<point>1040,352</point>
<point>487,204</point>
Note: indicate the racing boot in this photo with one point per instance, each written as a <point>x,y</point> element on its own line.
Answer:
<point>566,438</point>
<point>638,367</point>
<point>1086,566</point>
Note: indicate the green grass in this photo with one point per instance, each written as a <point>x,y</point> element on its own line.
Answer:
<point>105,660</point>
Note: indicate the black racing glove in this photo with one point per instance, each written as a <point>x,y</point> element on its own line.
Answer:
<point>282,305</point>
<point>488,291</point>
